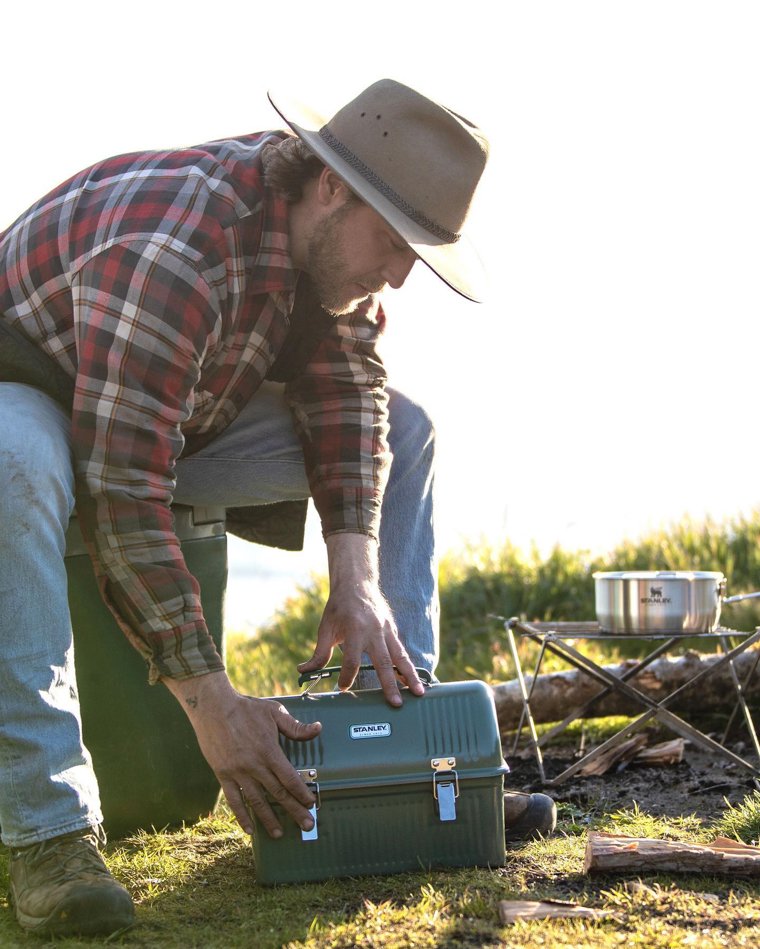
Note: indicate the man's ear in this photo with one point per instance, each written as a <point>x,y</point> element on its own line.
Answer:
<point>331,190</point>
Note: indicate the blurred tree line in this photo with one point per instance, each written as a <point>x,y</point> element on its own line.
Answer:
<point>483,586</point>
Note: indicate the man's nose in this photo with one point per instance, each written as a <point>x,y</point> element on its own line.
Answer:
<point>397,269</point>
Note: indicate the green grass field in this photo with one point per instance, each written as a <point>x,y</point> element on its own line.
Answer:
<point>196,887</point>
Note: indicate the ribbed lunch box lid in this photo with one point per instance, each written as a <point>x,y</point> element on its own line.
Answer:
<point>366,743</point>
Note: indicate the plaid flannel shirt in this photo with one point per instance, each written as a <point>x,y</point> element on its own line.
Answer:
<point>161,282</point>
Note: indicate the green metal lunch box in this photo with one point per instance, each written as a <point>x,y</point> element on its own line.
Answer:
<point>397,789</point>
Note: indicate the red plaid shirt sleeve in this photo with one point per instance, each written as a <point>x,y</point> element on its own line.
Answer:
<point>340,408</point>
<point>142,319</point>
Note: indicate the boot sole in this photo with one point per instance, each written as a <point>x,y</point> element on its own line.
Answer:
<point>86,912</point>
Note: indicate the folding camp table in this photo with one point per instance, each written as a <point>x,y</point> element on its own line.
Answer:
<point>561,639</point>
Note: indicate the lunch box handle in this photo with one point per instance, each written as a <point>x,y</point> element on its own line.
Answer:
<point>327,671</point>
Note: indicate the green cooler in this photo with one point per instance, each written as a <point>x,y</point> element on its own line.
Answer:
<point>150,770</point>
<point>398,789</point>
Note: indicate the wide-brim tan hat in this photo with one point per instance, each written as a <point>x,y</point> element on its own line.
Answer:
<point>414,161</point>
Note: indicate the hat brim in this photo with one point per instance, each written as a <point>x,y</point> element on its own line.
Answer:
<point>457,264</point>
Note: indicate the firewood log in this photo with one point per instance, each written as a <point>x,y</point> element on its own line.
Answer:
<point>613,853</point>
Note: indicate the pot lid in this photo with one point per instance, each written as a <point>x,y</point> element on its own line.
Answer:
<point>660,575</point>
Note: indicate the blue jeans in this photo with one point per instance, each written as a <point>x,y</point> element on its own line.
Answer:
<point>47,784</point>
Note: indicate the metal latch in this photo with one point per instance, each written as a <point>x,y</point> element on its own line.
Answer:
<point>445,786</point>
<point>310,777</point>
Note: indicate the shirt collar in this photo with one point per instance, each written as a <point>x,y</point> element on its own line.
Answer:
<point>272,269</point>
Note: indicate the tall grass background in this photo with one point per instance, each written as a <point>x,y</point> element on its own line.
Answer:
<point>482,583</point>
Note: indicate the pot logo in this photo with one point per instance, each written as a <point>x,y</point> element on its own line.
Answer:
<point>373,730</point>
<point>655,596</point>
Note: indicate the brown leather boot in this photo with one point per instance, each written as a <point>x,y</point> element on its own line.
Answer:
<point>62,887</point>
<point>528,816</point>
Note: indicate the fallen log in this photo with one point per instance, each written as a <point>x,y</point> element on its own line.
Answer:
<point>613,853</point>
<point>556,694</point>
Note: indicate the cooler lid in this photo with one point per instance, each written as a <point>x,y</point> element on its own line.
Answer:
<point>365,742</point>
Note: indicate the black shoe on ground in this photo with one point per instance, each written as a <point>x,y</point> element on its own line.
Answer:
<point>528,816</point>
<point>62,887</point>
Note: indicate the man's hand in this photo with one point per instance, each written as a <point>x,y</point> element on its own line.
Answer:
<point>357,616</point>
<point>239,737</point>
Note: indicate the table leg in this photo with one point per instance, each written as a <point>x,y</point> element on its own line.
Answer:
<point>655,709</point>
<point>741,701</point>
<point>526,705</point>
<point>581,710</point>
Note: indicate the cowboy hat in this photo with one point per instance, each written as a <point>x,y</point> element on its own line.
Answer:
<point>413,161</point>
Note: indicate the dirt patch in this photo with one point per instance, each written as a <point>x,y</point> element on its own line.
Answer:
<point>701,784</point>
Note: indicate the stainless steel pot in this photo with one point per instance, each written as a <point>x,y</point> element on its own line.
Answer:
<point>664,601</point>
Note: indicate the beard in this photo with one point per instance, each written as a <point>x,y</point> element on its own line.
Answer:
<point>329,269</point>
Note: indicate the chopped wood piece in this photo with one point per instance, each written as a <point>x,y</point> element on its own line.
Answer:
<point>613,853</point>
<point>618,756</point>
<point>512,910</point>
<point>634,751</point>
<point>663,753</point>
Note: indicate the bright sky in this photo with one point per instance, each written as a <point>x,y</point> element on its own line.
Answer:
<point>608,386</point>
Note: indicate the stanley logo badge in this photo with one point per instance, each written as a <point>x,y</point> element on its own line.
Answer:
<point>655,596</point>
<point>373,730</point>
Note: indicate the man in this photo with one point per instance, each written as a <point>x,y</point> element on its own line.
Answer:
<point>153,308</point>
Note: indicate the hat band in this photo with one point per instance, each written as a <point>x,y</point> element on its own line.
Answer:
<point>437,230</point>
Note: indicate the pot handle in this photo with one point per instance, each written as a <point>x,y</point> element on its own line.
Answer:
<point>741,596</point>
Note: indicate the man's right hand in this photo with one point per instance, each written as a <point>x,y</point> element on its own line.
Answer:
<point>239,737</point>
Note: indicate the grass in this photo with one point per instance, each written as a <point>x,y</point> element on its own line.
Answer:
<point>195,887</point>
<point>742,823</point>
